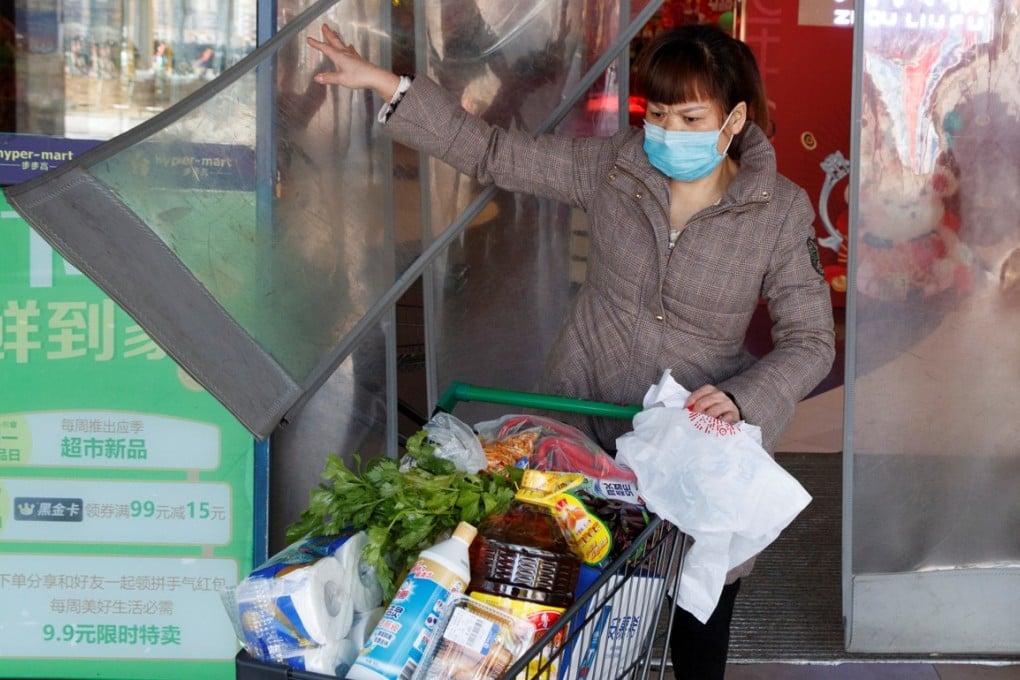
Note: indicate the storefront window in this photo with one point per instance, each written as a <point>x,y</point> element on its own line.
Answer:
<point>91,69</point>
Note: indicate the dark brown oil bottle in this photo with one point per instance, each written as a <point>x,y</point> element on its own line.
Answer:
<point>521,563</point>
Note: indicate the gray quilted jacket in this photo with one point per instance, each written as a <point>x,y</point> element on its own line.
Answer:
<point>645,307</point>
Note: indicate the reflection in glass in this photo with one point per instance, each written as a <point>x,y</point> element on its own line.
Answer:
<point>292,227</point>
<point>934,430</point>
<point>90,69</point>
<point>502,288</point>
<point>265,198</point>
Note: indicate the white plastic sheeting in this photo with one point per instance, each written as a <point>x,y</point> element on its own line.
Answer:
<point>933,528</point>
<point>263,231</point>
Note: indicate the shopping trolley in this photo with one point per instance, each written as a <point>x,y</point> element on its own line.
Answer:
<point>618,626</point>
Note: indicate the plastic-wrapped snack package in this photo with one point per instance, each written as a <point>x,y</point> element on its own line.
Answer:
<point>597,528</point>
<point>475,641</point>
<point>554,446</point>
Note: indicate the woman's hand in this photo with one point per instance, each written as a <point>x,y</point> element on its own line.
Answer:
<point>710,400</point>
<point>352,70</point>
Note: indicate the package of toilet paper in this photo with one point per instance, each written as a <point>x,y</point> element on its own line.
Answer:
<point>332,659</point>
<point>301,604</point>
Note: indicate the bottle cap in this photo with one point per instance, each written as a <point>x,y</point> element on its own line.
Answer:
<point>465,532</point>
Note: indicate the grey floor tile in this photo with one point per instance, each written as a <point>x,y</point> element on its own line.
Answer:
<point>846,671</point>
<point>872,671</point>
<point>977,672</point>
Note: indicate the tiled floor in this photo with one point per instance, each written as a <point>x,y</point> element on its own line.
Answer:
<point>817,427</point>
<point>872,671</point>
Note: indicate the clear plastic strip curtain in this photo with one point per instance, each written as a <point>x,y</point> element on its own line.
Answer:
<point>932,521</point>
<point>498,292</point>
<point>265,233</point>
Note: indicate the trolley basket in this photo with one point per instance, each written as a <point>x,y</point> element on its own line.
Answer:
<point>618,625</point>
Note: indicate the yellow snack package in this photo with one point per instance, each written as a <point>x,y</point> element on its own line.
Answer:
<point>587,535</point>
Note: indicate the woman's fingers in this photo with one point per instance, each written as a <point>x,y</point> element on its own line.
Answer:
<point>712,401</point>
<point>333,38</point>
<point>337,51</point>
<point>332,45</point>
<point>350,69</point>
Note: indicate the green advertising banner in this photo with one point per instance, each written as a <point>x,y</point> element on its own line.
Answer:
<point>126,490</point>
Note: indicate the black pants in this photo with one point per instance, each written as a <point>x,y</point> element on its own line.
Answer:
<point>699,650</point>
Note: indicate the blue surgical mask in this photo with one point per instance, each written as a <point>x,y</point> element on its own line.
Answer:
<point>682,154</point>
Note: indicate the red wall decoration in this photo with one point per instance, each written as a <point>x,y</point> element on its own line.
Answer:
<point>807,71</point>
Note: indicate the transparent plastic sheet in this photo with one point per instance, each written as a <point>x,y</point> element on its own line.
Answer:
<point>526,36</point>
<point>935,316</point>
<point>262,200</point>
<point>520,259</point>
<point>349,414</point>
<point>283,221</point>
<point>262,230</point>
<point>937,306</point>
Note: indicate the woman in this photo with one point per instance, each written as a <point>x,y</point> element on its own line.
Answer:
<point>690,228</point>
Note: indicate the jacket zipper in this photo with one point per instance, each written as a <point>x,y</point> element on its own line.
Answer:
<point>661,316</point>
<point>674,234</point>
<point>662,208</point>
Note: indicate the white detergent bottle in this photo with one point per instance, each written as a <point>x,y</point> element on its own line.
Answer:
<point>396,645</point>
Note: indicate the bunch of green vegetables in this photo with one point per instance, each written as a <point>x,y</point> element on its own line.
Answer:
<point>401,512</point>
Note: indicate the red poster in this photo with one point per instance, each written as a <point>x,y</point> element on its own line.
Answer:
<point>807,70</point>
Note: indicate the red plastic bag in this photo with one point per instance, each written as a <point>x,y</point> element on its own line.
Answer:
<point>558,447</point>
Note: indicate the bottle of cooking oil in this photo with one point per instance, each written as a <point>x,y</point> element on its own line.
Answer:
<point>521,563</point>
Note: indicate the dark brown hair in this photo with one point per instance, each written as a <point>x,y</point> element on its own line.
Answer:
<point>701,61</point>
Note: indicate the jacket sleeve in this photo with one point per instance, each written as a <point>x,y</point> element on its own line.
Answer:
<point>803,336</point>
<point>552,166</point>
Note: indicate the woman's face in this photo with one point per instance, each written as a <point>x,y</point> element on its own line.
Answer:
<point>700,115</point>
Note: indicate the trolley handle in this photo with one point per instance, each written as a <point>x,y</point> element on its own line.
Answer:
<point>459,391</point>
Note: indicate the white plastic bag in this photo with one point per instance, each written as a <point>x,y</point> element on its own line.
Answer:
<point>456,441</point>
<point>714,482</point>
